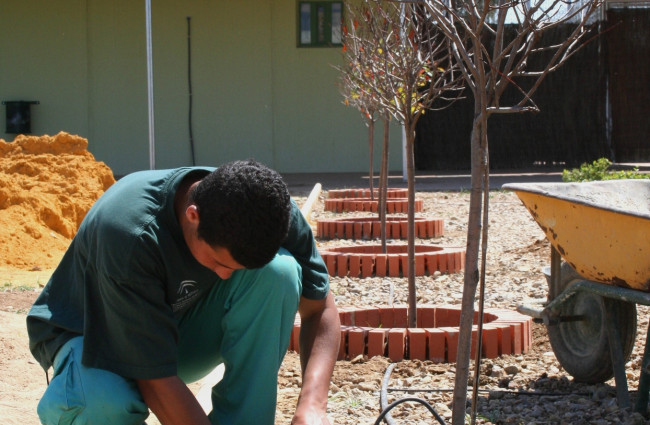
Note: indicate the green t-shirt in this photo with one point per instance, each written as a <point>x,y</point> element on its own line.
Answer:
<point>123,281</point>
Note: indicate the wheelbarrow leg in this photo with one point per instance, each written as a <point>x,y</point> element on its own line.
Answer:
<point>644,380</point>
<point>616,353</point>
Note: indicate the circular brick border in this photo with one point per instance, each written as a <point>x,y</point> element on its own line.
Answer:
<point>370,228</point>
<point>369,260</point>
<point>393,205</point>
<point>365,193</point>
<point>382,331</point>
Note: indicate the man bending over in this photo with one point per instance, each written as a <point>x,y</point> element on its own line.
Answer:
<point>171,273</point>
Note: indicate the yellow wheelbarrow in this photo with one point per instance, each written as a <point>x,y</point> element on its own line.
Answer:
<point>600,269</point>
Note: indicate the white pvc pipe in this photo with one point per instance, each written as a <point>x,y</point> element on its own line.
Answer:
<point>152,144</point>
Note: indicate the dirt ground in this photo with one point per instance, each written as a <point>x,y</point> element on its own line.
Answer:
<point>40,208</point>
<point>517,250</point>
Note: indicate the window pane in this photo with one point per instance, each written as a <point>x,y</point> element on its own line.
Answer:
<point>305,23</point>
<point>336,23</point>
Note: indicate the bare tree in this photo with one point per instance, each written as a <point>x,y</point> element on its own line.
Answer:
<point>358,95</point>
<point>491,59</point>
<point>357,81</point>
<point>407,65</point>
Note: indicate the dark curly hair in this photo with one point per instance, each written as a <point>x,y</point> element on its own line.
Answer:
<point>244,207</point>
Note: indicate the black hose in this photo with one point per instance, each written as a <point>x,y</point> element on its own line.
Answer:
<point>404,400</point>
<point>385,409</point>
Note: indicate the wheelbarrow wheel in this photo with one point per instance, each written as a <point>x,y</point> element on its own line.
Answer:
<point>581,344</point>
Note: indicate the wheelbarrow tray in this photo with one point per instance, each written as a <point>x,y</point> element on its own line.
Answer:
<point>602,229</point>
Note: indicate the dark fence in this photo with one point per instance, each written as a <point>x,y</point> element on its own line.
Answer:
<point>572,126</point>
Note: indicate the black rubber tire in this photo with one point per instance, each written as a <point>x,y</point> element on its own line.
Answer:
<point>582,347</point>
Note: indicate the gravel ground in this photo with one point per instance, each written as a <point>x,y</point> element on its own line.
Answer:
<point>532,388</point>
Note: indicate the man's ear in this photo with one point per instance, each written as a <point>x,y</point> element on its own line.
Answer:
<point>192,214</point>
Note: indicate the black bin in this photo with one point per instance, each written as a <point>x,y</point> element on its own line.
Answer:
<point>19,116</point>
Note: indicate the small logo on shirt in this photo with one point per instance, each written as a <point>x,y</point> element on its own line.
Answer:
<point>186,287</point>
<point>187,290</point>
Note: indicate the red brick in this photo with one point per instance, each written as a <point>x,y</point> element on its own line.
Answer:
<point>431,229</point>
<point>367,265</point>
<point>520,324</point>
<point>381,265</point>
<point>355,265</point>
<point>427,317</point>
<point>357,342</point>
<point>517,335</point>
<point>421,229</point>
<point>505,338</point>
<point>343,347</point>
<point>431,263</point>
<point>331,229</point>
<point>374,318</point>
<point>458,262</point>
<point>396,344</point>
<point>451,266</point>
<point>366,232</point>
<point>340,230</point>
<point>377,342</point>
<point>361,317</point>
<point>349,230</point>
<point>357,230</point>
<point>341,265</point>
<point>376,230</point>
<point>393,265</point>
<point>330,261</point>
<point>404,263</point>
<point>419,265</point>
<point>451,335</point>
<point>400,317</point>
<point>394,230</point>
<point>387,317</point>
<point>442,262</point>
<point>447,316</point>
<point>490,342</point>
<point>417,344</point>
<point>437,345</point>
<point>404,230</point>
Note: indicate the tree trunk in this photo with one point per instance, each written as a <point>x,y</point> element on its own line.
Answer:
<point>383,184</point>
<point>371,144</point>
<point>479,163</point>
<point>410,167</point>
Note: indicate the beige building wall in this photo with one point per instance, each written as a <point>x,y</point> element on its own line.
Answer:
<point>254,93</point>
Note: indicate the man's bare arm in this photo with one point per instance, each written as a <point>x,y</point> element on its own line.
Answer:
<point>172,402</point>
<point>320,334</point>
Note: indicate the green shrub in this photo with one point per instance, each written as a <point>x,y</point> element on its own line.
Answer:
<point>599,170</point>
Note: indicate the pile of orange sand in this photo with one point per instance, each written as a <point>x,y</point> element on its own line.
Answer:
<point>47,185</point>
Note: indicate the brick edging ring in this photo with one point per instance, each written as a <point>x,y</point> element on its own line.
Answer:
<point>382,331</point>
<point>369,260</point>
<point>365,193</point>
<point>393,205</point>
<point>370,228</point>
